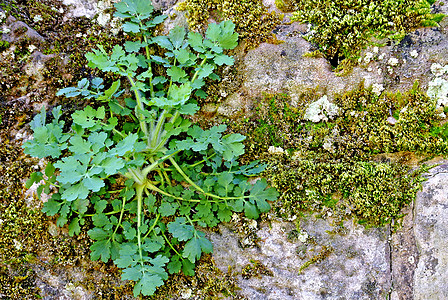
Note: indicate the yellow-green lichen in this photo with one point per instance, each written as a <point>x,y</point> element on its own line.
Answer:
<point>342,28</point>
<point>253,23</point>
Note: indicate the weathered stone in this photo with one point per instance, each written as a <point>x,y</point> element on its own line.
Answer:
<point>351,265</point>
<point>431,235</point>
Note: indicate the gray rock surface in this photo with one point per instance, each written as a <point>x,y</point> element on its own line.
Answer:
<point>431,235</point>
<point>348,263</point>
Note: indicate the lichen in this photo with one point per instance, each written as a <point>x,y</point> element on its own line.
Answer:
<point>253,23</point>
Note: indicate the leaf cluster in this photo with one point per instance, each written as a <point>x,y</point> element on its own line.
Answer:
<point>142,174</point>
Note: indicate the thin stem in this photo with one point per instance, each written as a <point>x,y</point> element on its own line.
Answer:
<point>121,215</point>
<point>171,246</point>
<point>179,169</point>
<point>152,227</point>
<point>149,65</point>
<point>139,190</point>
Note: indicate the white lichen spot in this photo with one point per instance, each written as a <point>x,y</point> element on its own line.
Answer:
<point>31,48</point>
<point>328,144</point>
<point>368,57</point>
<point>5,30</point>
<point>17,244</point>
<point>411,259</point>
<point>252,224</point>
<point>303,236</point>
<point>375,49</point>
<point>37,18</point>
<point>292,218</point>
<point>369,69</point>
<point>392,61</point>
<point>389,69</point>
<point>377,88</point>
<point>2,16</point>
<point>379,71</point>
<point>438,70</point>
<point>438,90</point>
<point>381,57</point>
<point>414,53</point>
<point>276,150</point>
<point>103,19</point>
<point>186,294</point>
<point>321,110</point>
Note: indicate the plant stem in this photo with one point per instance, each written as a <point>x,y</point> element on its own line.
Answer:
<point>139,190</point>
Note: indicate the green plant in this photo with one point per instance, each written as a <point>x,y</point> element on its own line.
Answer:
<point>143,174</point>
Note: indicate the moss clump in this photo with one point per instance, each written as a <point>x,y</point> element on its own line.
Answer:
<point>255,269</point>
<point>253,23</point>
<point>333,166</point>
<point>374,193</point>
<point>208,283</point>
<point>341,28</point>
<point>366,124</point>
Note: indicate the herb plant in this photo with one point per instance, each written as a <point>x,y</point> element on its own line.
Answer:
<point>144,175</point>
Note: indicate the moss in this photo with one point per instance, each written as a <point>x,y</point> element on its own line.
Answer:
<point>324,253</point>
<point>335,166</point>
<point>374,193</point>
<point>366,124</point>
<point>208,283</point>
<point>255,269</point>
<point>342,28</point>
<point>253,22</point>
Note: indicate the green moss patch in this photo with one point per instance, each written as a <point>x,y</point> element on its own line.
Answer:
<point>253,23</point>
<point>342,28</point>
<point>334,166</point>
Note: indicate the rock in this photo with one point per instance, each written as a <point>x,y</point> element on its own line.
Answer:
<point>353,264</point>
<point>81,8</point>
<point>431,235</point>
<point>17,30</point>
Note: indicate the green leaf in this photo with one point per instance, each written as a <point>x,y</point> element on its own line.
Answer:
<point>100,249</point>
<point>73,227</point>
<point>151,246</point>
<point>233,146</point>
<point>194,247</point>
<point>205,71</point>
<point>100,220</point>
<point>147,285</point>
<point>93,183</point>
<point>167,209</point>
<point>228,38</point>
<point>250,210</point>
<point>223,59</point>
<point>163,42</point>
<point>131,27</point>
<point>181,231</point>
<point>51,207</point>
<point>174,266</point>
<point>49,170</point>
<point>195,41</point>
<point>98,234</point>
<point>188,267</point>
<point>125,145</point>
<point>177,74</point>
<point>109,93</point>
<point>86,117</point>
<point>35,177</point>
<point>177,35</point>
<point>111,165</point>
<point>77,191</point>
